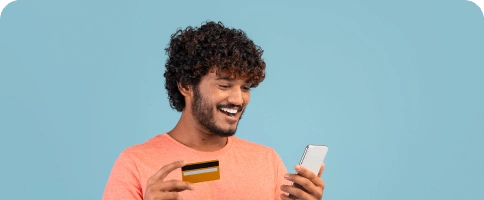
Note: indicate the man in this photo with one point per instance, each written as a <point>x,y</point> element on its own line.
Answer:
<point>209,73</point>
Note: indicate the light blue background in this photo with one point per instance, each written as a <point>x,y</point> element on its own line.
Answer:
<point>394,88</point>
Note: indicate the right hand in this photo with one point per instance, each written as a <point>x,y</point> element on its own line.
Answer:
<point>158,189</point>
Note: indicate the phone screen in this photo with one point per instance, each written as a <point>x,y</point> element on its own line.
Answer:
<point>312,159</point>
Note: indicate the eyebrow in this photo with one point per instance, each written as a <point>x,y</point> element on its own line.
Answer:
<point>230,79</point>
<point>224,78</point>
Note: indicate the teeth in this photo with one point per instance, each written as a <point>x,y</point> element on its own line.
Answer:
<point>232,111</point>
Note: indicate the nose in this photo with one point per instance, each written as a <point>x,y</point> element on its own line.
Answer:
<point>236,97</point>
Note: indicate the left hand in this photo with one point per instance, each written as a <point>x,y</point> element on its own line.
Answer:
<point>312,185</point>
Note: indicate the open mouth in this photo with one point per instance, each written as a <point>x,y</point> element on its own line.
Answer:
<point>228,111</point>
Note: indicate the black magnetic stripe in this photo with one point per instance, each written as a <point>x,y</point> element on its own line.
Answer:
<point>200,165</point>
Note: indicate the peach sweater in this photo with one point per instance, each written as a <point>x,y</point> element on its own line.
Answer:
<point>247,170</point>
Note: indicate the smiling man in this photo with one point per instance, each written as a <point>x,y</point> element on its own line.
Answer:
<point>209,73</point>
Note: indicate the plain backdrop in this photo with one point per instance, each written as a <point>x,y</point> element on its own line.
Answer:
<point>393,88</point>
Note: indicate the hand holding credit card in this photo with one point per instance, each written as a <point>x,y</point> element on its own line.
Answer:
<point>201,171</point>
<point>158,188</point>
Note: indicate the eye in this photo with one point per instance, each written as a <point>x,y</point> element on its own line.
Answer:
<point>245,88</point>
<point>224,86</point>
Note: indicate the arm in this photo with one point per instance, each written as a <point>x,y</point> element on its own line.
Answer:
<point>124,181</point>
<point>279,176</point>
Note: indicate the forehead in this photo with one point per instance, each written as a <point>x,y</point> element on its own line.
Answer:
<point>226,75</point>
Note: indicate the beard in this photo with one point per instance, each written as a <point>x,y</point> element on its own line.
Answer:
<point>203,113</point>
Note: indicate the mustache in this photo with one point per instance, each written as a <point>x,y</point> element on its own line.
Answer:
<point>232,106</point>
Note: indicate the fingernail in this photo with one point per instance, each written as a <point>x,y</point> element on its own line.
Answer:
<point>182,162</point>
<point>191,187</point>
<point>298,168</point>
<point>287,176</point>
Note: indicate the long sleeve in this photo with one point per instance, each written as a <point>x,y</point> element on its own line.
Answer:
<point>279,176</point>
<point>123,182</point>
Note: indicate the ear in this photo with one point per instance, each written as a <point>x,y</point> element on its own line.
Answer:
<point>185,90</point>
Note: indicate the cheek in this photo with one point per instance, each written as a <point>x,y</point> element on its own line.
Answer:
<point>209,95</point>
<point>217,97</point>
<point>246,98</point>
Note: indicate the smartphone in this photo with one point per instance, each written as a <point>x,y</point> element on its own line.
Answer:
<point>312,159</point>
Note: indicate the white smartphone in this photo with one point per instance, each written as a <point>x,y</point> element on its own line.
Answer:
<point>312,159</point>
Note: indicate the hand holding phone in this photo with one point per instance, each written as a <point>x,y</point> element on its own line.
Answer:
<point>312,160</point>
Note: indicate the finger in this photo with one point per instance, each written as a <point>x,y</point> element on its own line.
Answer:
<point>170,195</point>
<point>175,186</point>
<point>309,175</point>
<point>296,192</point>
<point>321,170</point>
<point>285,197</point>
<point>165,170</point>
<point>304,184</point>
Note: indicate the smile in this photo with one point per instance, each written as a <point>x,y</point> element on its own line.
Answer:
<point>229,112</point>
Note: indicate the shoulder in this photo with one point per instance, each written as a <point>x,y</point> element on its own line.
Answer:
<point>153,144</point>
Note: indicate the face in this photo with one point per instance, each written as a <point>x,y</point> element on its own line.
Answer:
<point>219,103</point>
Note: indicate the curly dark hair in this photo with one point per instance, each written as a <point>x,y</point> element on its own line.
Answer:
<point>193,52</point>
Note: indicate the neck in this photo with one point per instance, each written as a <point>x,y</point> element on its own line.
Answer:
<point>188,132</point>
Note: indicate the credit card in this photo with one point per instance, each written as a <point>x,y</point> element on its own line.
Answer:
<point>201,171</point>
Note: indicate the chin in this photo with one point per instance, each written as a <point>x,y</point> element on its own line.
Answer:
<point>225,132</point>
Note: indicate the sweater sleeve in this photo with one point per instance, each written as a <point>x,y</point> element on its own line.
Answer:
<point>279,176</point>
<point>124,181</point>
